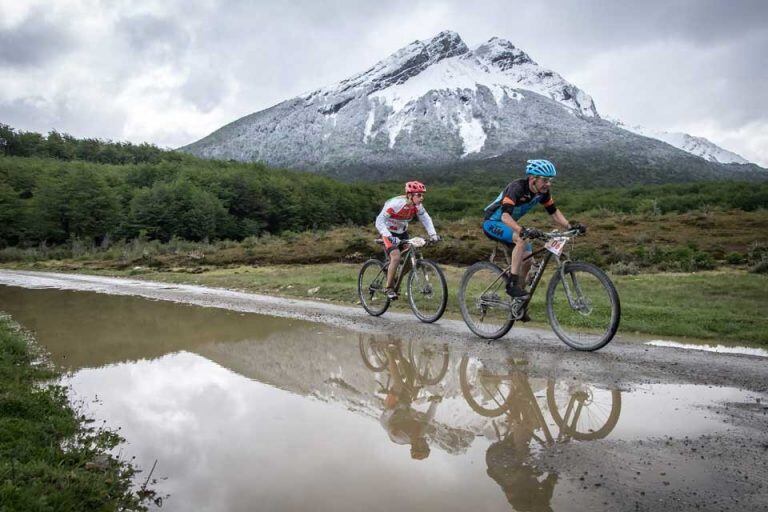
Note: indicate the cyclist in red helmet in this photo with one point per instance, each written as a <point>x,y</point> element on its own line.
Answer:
<point>392,224</point>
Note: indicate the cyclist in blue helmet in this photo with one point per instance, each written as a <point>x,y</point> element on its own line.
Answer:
<point>502,218</point>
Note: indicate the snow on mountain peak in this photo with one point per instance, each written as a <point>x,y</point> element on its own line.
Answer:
<point>444,62</point>
<point>698,146</point>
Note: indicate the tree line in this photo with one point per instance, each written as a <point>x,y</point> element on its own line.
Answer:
<point>44,200</point>
<point>55,188</point>
<point>66,147</point>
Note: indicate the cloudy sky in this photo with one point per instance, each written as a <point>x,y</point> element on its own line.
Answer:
<point>171,71</point>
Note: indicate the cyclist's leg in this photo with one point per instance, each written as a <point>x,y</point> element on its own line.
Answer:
<point>393,255</point>
<point>498,230</point>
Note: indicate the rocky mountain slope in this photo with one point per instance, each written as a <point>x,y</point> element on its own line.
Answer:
<point>438,104</point>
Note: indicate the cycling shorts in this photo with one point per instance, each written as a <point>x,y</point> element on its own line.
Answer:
<point>389,246</point>
<point>499,231</point>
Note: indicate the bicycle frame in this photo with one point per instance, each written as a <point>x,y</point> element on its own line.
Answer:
<point>518,306</point>
<point>408,259</point>
<point>536,277</point>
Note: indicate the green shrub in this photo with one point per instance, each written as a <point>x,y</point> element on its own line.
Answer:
<point>735,258</point>
<point>622,269</point>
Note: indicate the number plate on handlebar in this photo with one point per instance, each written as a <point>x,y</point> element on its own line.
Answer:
<point>556,245</point>
<point>417,241</point>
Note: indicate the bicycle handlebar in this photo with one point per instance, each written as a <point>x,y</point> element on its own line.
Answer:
<point>548,235</point>
<point>427,241</point>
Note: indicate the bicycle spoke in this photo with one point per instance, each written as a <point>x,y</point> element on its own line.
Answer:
<point>583,306</point>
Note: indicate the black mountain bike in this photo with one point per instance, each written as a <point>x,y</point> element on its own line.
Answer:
<point>582,303</point>
<point>426,287</point>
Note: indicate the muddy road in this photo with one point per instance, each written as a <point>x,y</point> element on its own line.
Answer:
<point>296,404</point>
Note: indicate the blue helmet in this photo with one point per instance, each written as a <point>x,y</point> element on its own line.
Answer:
<point>541,168</point>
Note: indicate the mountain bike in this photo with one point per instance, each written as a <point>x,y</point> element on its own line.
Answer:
<point>426,286</point>
<point>580,411</point>
<point>582,304</point>
<point>428,362</point>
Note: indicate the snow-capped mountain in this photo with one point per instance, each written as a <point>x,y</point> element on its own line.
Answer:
<point>698,146</point>
<point>431,104</point>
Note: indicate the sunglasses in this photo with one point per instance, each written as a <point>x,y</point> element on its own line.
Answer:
<point>546,180</point>
<point>417,194</point>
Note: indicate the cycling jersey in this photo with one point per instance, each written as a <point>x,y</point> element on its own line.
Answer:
<point>397,213</point>
<point>516,200</point>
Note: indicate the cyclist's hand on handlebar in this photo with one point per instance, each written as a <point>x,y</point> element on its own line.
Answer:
<point>394,240</point>
<point>435,238</point>
<point>578,226</point>
<point>531,233</point>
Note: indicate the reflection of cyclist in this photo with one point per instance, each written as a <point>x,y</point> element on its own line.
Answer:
<point>509,460</point>
<point>502,216</point>
<point>392,224</point>
<point>526,487</point>
<point>404,424</point>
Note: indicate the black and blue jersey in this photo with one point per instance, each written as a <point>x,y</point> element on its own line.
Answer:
<point>516,199</point>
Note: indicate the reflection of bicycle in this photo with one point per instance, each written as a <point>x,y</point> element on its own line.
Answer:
<point>580,411</point>
<point>410,385</point>
<point>582,304</point>
<point>506,394</point>
<point>430,364</point>
<point>426,287</point>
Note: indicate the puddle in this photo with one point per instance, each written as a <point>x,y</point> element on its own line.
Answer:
<point>245,411</point>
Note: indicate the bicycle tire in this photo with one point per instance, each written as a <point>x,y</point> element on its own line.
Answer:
<point>427,289</point>
<point>370,362</point>
<point>604,301</point>
<point>466,313</point>
<point>367,299</point>
<point>425,376</point>
<point>600,433</point>
<point>466,391</point>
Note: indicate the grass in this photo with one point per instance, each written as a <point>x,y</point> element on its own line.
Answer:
<point>697,240</point>
<point>696,274</point>
<point>51,457</point>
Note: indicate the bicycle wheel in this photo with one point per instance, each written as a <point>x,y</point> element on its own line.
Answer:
<point>430,364</point>
<point>590,319</point>
<point>484,303</point>
<point>582,411</point>
<point>427,291</point>
<point>488,393</point>
<point>370,287</point>
<point>373,352</point>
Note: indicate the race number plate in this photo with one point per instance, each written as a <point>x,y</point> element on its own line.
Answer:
<point>556,245</point>
<point>417,241</point>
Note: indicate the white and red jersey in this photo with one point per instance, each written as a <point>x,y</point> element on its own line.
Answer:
<point>396,215</point>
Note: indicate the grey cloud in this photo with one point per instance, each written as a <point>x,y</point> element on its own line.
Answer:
<point>33,43</point>
<point>150,34</point>
<point>80,118</point>
<point>243,56</point>
<point>205,88</point>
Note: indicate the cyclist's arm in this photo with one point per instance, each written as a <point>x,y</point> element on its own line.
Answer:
<point>510,198</point>
<point>509,221</point>
<point>381,223</point>
<point>560,219</point>
<point>426,220</point>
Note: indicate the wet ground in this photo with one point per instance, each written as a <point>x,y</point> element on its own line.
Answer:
<point>244,411</point>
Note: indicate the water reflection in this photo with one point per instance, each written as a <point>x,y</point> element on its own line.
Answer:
<point>507,395</point>
<point>510,404</point>
<point>411,380</point>
<point>248,411</point>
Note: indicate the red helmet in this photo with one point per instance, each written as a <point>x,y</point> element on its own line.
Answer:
<point>415,187</point>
